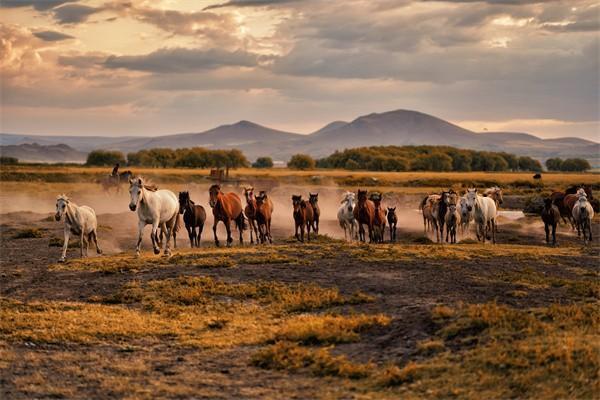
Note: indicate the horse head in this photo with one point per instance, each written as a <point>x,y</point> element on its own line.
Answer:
<point>297,202</point>
<point>261,198</point>
<point>547,203</point>
<point>61,206</point>
<point>313,198</point>
<point>184,201</point>
<point>136,192</point>
<point>362,196</point>
<point>249,194</point>
<point>214,192</point>
<point>471,198</point>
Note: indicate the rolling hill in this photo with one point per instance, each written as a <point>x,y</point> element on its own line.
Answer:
<point>400,127</point>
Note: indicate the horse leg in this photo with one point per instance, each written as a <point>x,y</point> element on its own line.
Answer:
<point>199,235</point>
<point>81,242</point>
<point>269,231</point>
<point>370,229</point>
<point>228,229</point>
<point>308,226</point>
<point>554,234</point>
<point>191,234</point>
<point>65,245</point>
<point>251,222</point>
<point>94,236</point>
<point>547,229</point>
<point>170,231</point>
<point>154,235</point>
<point>240,223</point>
<point>139,242</point>
<point>215,232</point>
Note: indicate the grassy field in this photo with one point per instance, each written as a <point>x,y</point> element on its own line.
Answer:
<point>327,319</point>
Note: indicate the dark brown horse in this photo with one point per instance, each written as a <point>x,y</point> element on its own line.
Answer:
<point>379,221</point>
<point>250,211</point>
<point>226,207</point>
<point>313,199</point>
<point>551,217</point>
<point>194,217</point>
<point>264,211</point>
<point>392,222</point>
<point>303,217</point>
<point>565,201</point>
<point>364,213</point>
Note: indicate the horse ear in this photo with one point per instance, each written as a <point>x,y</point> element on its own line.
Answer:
<point>139,181</point>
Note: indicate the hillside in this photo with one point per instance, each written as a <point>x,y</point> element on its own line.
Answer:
<point>43,153</point>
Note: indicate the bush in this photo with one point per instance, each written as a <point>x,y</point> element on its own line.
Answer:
<point>554,164</point>
<point>575,165</point>
<point>105,158</point>
<point>263,162</point>
<point>195,157</point>
<point>301,161</point>
<point>8,160</point>
<point>529,164</point>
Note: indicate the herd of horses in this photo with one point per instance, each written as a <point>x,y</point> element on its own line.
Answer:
<point>361,215</point>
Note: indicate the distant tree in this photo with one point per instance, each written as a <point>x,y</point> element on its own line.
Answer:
<point>529,164</point>
<point>432,162</point>
<point>105,158</point>
<point>263,162</point>
<point>351,165</point>
<point>8,160</point>
<point>554,164</point>
<point>301,161</point>
<point>575,165</point>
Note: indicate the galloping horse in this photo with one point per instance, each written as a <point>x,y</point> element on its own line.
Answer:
<point>426,207</point>
<point>495,193</point>
<point>114,181</point>
<point>313,199</point>
<point>250,211</point>
<point>155,207</point>
<point>484,214</point>
<point>303,217</point>
<point>80,221</point>
<point>194,217</point>
<point>567,199</point>
<point>392,222</point>
<point>346,216</point>
<point>379,221</point>
<point>438,212</point>
<point>551,217</point>
<point>226,208</point>
<point>583,212</point>
<point>264,211</point>
<point>364,213</point>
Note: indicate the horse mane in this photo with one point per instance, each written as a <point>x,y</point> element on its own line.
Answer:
<point>151,187</point>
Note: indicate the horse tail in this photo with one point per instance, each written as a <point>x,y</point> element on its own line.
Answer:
<point>241,222</point>
<point>423,203</point>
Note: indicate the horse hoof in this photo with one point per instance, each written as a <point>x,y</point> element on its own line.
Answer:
<point>61,260</point>
<point>156,251</point>
<point>167,254</point>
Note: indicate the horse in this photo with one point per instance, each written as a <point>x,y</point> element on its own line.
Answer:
<point>426,207</point>
<point>194,217</point>
<point>250,211</point>
<point>452,220</point>
<point>484,214</point>
<point>583,212</point>
<point>364,213</point>
<point>392,222</point>
<point>114,181</point>
<point>303,217</point>
<point>264,211</point>
<point>550,217</point>
<point>438,212</point>
<point>466,216</point>
<point>79,220</point>
<point>567,199</point>
<point>379,221</point>
<point>226,208</point>
<point>496,194</point>
<point>345,215</point>
<point>155,207</point>
<point>313,199</point>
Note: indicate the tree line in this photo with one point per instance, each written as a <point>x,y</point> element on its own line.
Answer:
<point>426,158</point>
<point>568,165</point>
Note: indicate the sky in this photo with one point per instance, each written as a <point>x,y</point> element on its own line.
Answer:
<point>151,67</point>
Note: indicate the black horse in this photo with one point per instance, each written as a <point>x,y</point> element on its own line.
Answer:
<point>194,217</point>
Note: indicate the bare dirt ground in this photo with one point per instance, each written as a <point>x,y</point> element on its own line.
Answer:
<point>405,280</point>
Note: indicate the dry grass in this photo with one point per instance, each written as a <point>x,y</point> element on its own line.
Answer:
<point>28,233</point>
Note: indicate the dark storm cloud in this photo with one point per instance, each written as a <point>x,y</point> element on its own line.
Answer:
<point>52,36</point>
<point>182,60</point>
<point>73,13</point>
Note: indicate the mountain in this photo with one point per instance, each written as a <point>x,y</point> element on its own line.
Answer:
<point>43,153</point>
<point>400,127</point>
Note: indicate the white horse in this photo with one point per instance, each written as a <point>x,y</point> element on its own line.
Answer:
<point>484,214</point>
<point>583,212</point>
<point>466,216</point>
<point>345,216</point>
<point>156,208</point>
<point>80,221</point>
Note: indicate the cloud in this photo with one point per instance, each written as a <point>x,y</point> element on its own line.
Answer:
<point>40,5</point>
<point>73,13</point>
<point>249,3</point>
<point>183,60</point>
<point>52,36</point>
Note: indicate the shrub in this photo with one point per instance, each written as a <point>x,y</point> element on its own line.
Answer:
<point>105,157</point>
<point>263,162</point>
<point>8,160</point>
<point>575,165</point>
<point>301,161</point>
<point>554,164</point>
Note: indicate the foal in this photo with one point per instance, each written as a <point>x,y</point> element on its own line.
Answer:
<point>303,217</point>
<point>392,222</point>
<point>194,217</point>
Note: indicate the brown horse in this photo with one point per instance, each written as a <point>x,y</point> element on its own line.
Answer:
<point>303,217</point>
<point>313,199</point>
<point>226,208</point>
<point>250,211</point>
<point>194,217</point>
<point>380,220</point>
<point>364,213</point>
<point>264,211</point>
<point>392,222</point>
<point>551,217</point>
<point>565,201</point>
